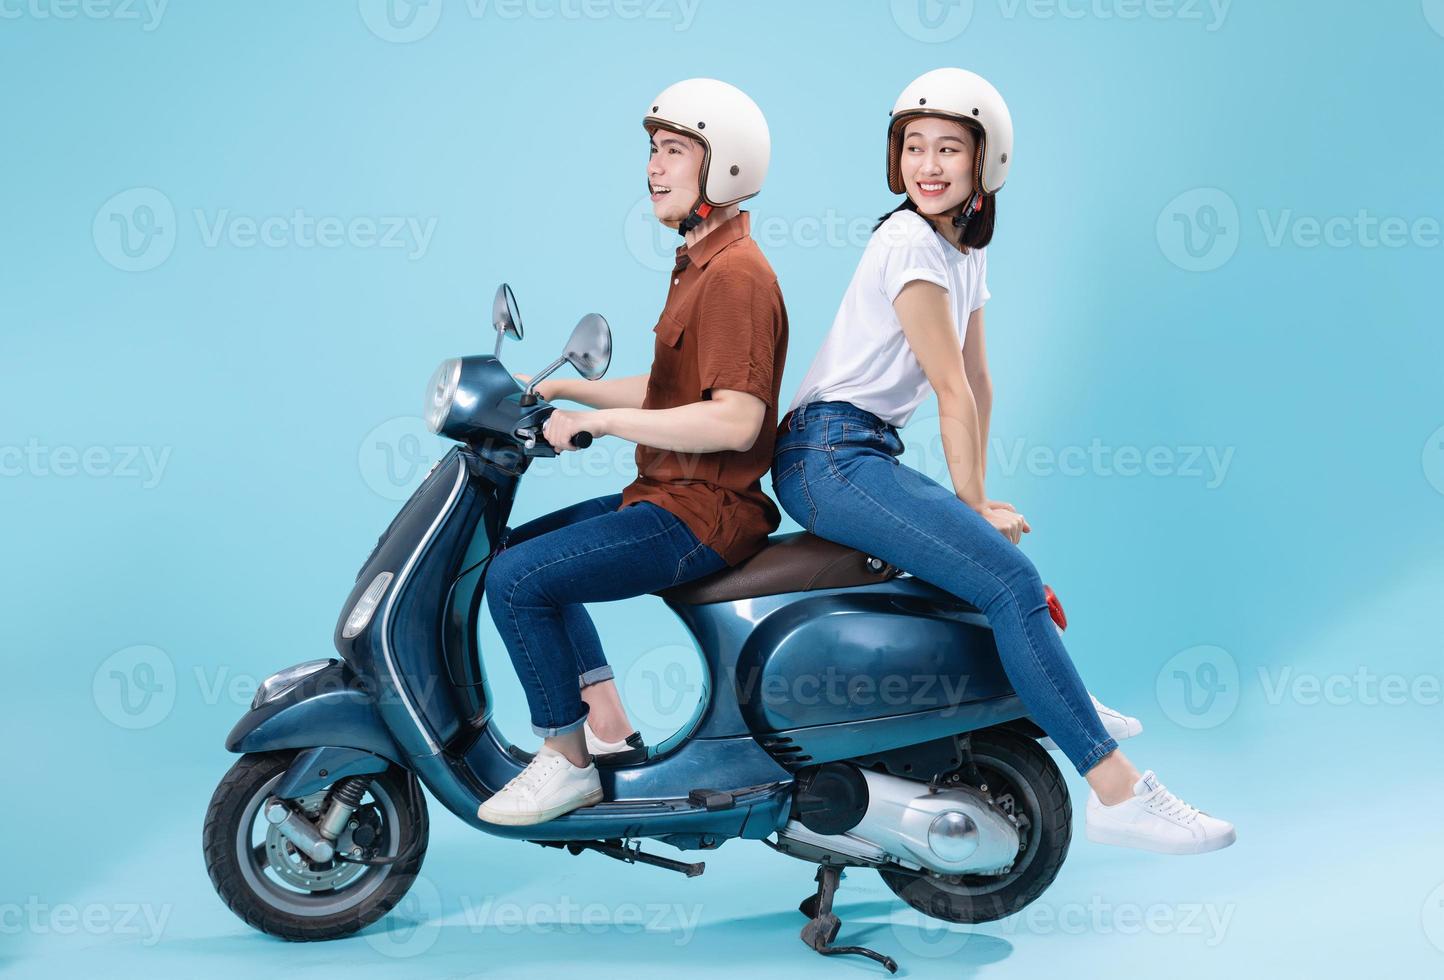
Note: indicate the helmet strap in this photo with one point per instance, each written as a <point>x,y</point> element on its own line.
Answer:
<point>974,205</point>
<point>699,214</point>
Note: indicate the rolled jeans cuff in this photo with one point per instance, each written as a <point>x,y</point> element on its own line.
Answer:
<point>596,675</point>
<point>1096,756</point>
<point>562,729</point>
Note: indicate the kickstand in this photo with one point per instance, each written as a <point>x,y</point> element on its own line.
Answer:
<point>823,926</point>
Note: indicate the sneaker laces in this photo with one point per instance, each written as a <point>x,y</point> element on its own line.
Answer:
<point>535,772</point>
<point>1166,805</point>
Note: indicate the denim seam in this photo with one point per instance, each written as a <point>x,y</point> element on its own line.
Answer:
<point>511,605</point>
<point>1033,650</point>
<point>681,565</point>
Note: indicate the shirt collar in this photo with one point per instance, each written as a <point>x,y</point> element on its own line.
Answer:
<point>701,252</point>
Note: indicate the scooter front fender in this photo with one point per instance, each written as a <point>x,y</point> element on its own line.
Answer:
<point>328,708</point>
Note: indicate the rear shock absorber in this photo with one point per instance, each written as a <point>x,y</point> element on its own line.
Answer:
<point>344,800</point>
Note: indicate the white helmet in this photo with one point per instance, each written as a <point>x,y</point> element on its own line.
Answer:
<point>735,141</point>
<point>954,93</point>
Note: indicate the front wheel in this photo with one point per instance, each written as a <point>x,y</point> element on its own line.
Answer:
<point>1025,782</point>
<point>271,885</point>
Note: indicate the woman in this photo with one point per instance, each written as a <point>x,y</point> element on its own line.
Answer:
<point>703,420</point>
<point>912,321</point>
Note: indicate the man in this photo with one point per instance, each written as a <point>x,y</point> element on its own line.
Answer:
<point>704,420</point>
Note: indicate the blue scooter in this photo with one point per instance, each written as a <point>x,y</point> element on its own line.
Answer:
<point>852,716</point>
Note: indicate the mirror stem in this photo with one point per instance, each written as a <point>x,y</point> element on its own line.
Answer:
<point>528,396</point>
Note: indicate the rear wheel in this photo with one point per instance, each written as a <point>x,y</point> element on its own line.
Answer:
<point>1025,782</point>
<point>271,885</point>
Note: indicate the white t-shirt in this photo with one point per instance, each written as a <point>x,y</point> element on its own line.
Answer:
<point>866,359</point>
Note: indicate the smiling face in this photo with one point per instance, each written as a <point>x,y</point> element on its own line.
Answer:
<point>937,161</point>
<point>673,167</point>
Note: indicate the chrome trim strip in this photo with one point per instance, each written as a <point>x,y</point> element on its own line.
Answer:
<point>395,590</point>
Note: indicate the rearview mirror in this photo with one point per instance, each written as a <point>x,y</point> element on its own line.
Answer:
<point>505,317</point>
<point>589,350</point>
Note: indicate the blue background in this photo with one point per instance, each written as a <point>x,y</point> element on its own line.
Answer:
<point>1143,298</point>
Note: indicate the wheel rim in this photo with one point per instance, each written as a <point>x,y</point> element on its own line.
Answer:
<point>269,864</point>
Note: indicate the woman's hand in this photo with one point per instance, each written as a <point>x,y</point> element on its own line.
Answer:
<point>561,425</point>
<point>1010,524</point>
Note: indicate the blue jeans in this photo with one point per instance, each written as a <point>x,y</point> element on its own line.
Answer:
<point>588,552</point>
<point>837,474</point>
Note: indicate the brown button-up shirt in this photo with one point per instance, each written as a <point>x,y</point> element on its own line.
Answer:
<point>723,327</point>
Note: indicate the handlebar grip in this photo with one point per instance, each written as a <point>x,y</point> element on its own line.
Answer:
<point>582,440</point>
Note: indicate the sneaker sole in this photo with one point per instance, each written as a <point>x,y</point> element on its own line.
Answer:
<point>539,816</point>
<point>1115,838</point>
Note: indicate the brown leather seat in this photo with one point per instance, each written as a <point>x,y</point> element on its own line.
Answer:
<point>795,562</point>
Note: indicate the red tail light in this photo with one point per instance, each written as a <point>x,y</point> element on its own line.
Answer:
<point>1055,608</point>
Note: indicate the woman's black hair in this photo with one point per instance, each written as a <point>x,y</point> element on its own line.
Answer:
<point>979,231</point>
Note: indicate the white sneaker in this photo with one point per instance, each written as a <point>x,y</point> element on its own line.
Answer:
<point>547,788</point>
<point>1156,820</point>
<point>1118,725</point>
<point>604,753</point>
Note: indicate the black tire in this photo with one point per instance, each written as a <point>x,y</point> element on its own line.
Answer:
<point>244,873</point>
<point>1022,777</point>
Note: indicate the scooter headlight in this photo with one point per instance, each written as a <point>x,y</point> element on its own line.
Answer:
<point>283,680</point>
<point>441,392</point>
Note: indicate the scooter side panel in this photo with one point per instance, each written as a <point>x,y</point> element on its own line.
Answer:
<point>833,657</point>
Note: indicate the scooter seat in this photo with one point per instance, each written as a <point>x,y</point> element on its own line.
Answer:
<point>797,562</point>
